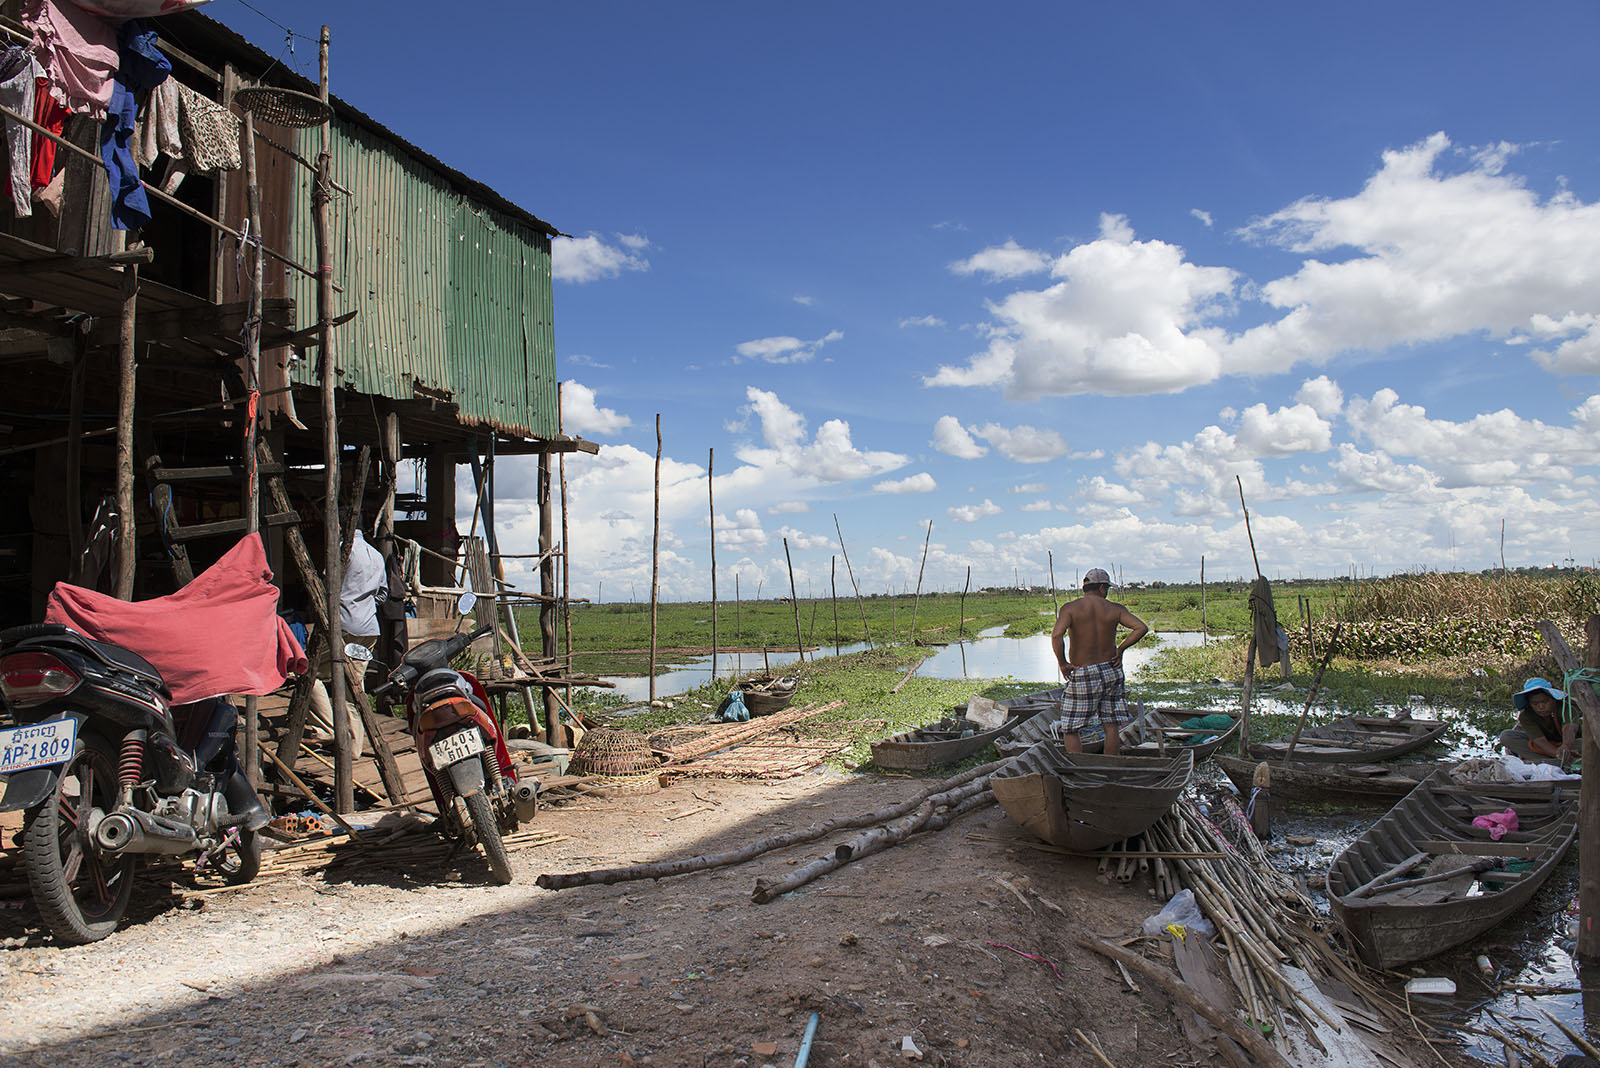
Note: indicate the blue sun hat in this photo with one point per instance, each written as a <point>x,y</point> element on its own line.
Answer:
<point>1520,698</point>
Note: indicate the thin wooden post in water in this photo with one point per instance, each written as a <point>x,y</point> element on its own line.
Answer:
<point>655,563</point>
<point>833,586</point>
<point>738,625</point>
<point>711,501</point>
<point>914,601</point>
<point>1202,599</point>
<point>961,613</point>
<point>852,573</point>
<point>1316,684</point>
<point>1055,605</point>
<point>794,602</point>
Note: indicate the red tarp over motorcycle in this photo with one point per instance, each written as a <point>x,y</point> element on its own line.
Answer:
<point>220,634</point>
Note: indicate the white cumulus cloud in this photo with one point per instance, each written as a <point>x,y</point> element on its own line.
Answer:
<point>1024,444</point>
<point>918,483</point>
<point>1009,260</point>
<point>971,513</point>
<point>588,258</point>
<point>830,456</point>
<point>953,439</point>
<point>784,349</point>
<point>580,415</point>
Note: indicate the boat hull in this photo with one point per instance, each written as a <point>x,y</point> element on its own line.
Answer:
<point>1393,928</point>
<point>1081,801</point>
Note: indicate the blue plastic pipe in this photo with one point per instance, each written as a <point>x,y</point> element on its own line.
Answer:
<point>805,1043</point>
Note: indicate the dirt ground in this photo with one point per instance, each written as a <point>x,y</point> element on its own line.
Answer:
<point>424,962</point>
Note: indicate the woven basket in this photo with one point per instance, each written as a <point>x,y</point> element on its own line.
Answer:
<point>613,751</point>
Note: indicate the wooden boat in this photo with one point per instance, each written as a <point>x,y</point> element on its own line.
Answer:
<point>943,742</point>
<point>1081,801</point>
<point>1355,740</point>
<point>1307,780</point>
<point>764,695</point>
<point>1151,732</point>
<point>1423,879</point>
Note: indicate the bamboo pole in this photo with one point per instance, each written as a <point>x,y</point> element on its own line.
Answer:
<point>655,563</point>
<point>794,602</point>
<point>344,782</point>
<point>555,734</point>
<point>1249,682</point>
<point>127,554</point>
<point>1202,599</point>
<point>1247,533</point>
<point>923,567</point>
<point>851,572</point>
<point>711,504</point>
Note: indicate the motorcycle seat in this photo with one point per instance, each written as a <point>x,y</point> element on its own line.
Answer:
<point>113,655</point>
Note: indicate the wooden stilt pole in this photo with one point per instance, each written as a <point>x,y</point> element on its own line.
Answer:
<point>250,498</point>
<point>555,733</point>
<point>566,575</point>
<point>1202,599</point>
<point>75,449</point>
<point>322,193</point>
<point>1249,682</point>
<point>127,553</point>
<point>711,502</point>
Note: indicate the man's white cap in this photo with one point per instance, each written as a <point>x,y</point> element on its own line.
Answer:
<point>1096,576</point>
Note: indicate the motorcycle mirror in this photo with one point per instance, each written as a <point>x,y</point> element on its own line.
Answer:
<point>357,651</point>
<point>468,599</point>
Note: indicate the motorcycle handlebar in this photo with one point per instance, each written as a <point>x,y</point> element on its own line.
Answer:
<point>406,674</point>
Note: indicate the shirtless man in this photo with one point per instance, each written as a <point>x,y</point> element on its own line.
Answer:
<point>1094,674</point>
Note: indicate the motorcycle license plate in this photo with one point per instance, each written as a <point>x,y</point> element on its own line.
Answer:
<point>37,745</point>
<point>457,747</point>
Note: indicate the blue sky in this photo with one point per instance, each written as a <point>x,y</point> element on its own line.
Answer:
<point>1049,276</point>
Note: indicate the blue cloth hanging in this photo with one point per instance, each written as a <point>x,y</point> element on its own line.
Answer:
<point>142,68</point>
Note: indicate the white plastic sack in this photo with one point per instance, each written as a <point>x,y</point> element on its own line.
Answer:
<point>1522,770</point>
<point>1180,912</point>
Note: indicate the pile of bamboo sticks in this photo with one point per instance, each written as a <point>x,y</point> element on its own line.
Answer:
<point>1262,918</point>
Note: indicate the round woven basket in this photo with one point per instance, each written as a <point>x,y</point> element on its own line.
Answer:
<point>282,107</point>
<point>613,751</point>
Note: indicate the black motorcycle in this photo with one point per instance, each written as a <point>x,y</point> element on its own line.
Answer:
<point>107,770</point>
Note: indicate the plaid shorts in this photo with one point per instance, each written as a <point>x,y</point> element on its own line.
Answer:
<point>1095,692</point>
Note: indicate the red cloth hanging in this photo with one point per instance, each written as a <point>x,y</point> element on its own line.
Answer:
<point>53,117</point>
<point>220,634</point>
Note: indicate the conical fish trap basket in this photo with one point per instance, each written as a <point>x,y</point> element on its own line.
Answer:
<point>613,751</point>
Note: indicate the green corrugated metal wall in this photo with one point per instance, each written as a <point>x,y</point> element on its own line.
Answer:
<point>449,293</point>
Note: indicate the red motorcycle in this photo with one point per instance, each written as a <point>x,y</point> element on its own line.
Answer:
<point>463,748</point>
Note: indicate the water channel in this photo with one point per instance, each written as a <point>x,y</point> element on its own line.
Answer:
<point>1531,950</point>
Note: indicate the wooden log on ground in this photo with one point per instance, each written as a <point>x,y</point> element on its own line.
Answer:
<point>1264,1054</point>
<point>666,868</point>
<point>875,841</point>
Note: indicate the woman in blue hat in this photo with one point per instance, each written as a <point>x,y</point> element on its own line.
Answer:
<point>1541,732</point>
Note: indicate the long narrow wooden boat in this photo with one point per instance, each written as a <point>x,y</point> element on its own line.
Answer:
<point>1355,740</point>
<point>1081,801</point>
<point>1151,732</point>
<point>1423,879</point>
<point>942,742</point>
<point>1306,780</point>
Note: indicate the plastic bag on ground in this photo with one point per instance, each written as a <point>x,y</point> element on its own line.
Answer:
<point>1182,913</point>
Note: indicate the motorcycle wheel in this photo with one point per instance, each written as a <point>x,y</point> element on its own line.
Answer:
<point>240,862</point>
<point>488,833</point>
<point>81,896</point>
